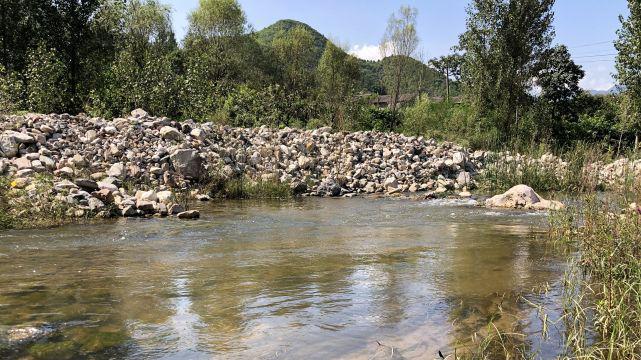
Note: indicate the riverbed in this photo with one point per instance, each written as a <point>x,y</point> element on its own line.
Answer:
<point>308,278</point>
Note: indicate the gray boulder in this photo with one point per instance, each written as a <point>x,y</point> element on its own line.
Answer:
<point>187,163</point>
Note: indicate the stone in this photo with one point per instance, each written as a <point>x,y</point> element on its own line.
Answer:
<point>103,185</point>
<point>165,197</point>
<point>8,146</point>
<point>203,197</point>
<point>87,185</point>
<point>298,187</point>
<point>170,133</point>
<point>104,195</point>
<point>148,207</point>
<point>522,197</point>
<point>459,158</point>
<point>139,113</point>
<point>64,185</point>
<point>22,163</point>
<point>464,178</point>
<point>187,163</point>
<point>191,214</point>
<point>390,184</point>
<point>78,161</point>
<point>129,211</point>
<point>175,209</point>
<point>64,172</point>
<point>147,196</point>
<point>95,204</point>
<point>116,170</point>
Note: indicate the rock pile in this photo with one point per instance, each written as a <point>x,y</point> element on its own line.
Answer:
<point>92,159</point>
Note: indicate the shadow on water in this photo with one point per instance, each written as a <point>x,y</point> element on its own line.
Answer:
<point>313,278</point>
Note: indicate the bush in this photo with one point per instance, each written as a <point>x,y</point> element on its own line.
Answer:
<point>10,91</point>
<point>47,83</point>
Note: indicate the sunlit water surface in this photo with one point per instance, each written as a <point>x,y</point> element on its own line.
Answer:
<point>306,279</point>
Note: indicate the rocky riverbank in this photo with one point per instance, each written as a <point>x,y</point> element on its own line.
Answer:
<point>141,165</point>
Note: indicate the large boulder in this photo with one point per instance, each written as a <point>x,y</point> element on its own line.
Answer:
<point>187,163</point>
<point>170,133</point>
<point>522,197</point>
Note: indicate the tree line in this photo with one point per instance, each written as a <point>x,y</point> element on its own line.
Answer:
<point>107,57</point>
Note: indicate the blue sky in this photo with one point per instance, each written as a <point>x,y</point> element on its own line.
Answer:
<point>587,27</point>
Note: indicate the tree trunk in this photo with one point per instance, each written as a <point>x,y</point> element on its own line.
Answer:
<point>397,90</point>
<point>447,84</point>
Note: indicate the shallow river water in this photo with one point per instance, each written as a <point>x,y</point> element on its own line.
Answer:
<point>311,278</point>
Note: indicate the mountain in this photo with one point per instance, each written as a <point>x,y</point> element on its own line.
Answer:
<point>266,36</point>
<point>372,72</point>
<point>611,91</point>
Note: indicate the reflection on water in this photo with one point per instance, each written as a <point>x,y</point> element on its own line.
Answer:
<point>315,278</point>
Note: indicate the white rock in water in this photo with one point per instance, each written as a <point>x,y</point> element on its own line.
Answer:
<point>522,197</point>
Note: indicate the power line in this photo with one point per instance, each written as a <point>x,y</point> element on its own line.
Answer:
<point>592,44</point>
<point>593,56</point>
<point>596,61</point>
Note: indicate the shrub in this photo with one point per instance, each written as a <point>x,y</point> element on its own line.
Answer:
<point>47,83</point>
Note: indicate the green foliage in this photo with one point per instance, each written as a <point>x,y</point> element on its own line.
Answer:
<point>628,67</point>
<point>375,118</point>
<point>503,44</point>
<point>47,81</point>
<point>337,74</point>
<point>294,50</point>
<point>144,72</point>
<point>11,90</point>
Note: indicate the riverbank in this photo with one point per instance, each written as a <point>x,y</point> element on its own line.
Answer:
<point>61,168</point>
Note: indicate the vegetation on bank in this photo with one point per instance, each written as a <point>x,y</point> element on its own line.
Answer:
<point>110,57</point>
<point>34,205</point>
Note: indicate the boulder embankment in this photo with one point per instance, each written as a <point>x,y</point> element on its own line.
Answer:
<point>134,166</point>
<point>83,166</point>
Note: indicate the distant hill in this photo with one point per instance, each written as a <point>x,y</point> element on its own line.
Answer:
<point>611,91</point>
<point>372,72</point>
<point>266,36</point>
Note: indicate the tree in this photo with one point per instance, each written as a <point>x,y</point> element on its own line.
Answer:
<point>503,45</point>
<point>558,77</point>
<point>10,91</point>
<point>294,50</point>
<point>47,84</point>
<point>450,67</point>
<point>338,74</point>
<point>145,71</point>
<point>214,53</point>
<point>399,42</point>
<point>628,65</point>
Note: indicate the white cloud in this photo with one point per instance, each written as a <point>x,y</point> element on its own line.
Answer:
<point>366,52</point>
<point>597,77</point>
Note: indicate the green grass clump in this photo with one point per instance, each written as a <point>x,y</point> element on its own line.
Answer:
<point>241,187</point>
<point>603,286</point>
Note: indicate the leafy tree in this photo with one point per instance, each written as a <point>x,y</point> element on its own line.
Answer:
<point>145,71</point>
<point>503,45</point>
<point>450,67</point>
<point>10,91</point>
<point>399,42</point>
<point>46,79</point>
<point>558,78</point>
<point>628,65</point>
<point>214,53</point>
<point>295,53</point>
<point>338,75</point>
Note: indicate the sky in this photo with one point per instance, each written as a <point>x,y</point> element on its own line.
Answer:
<point>587,27</point>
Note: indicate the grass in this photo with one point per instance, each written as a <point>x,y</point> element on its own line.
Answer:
<point>505,170</point>
<point>241,187</point>
<point>35,206</point>
<point>603,286</point>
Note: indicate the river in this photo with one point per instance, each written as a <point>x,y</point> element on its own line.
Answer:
<point>309,278</point>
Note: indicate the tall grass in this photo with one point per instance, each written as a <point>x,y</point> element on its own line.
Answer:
<point>504,170</point>
<point>603,286</point>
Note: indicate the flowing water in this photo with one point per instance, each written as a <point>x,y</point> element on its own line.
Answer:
<point>311,278</point>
